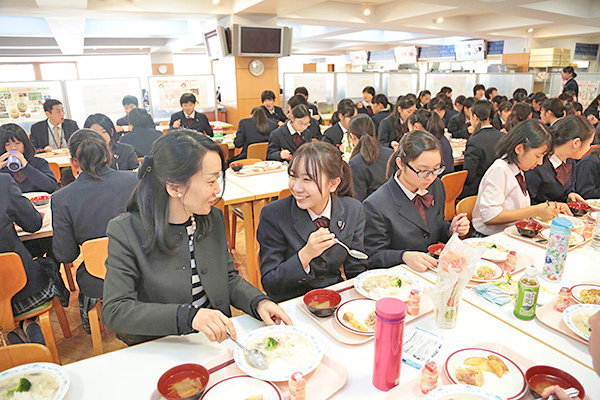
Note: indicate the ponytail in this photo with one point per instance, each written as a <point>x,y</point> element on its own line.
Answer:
<point>90,150</point>
<point>362,127</point>
<point>346,107</point>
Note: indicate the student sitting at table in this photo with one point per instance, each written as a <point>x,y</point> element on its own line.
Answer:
<point>35,174</point>
<point>381,109</point>
<point>459,102</point>
<point>189,118</point>
<point>267,98</point>
<point>124,156</point>
<point>439,105</point>
<point>518,113</point>
<point>286,139</point>
<point>587,178</point>
<point>366,105</point>
<point>129,103</point>
<point>168,270</point>
<point>82,209</point>
<point>54,132</point>
<point>460,125</point>
<point>447,91</point>
<point>479,91</point>
<point>592,113</point>
<point>142,133</point>
<point>298,252</point>
<point>394,126</point>
<point>302,91</point>
<point>503,197</point>
<point>501,116</point>
<point>336,134</point>
<point>552,110</point>
<point>423,98</point>
<point>537,99</point>
<point>424,120</point>
<point>314,128</point>
<point>519,95</point>
<point>256,129</point>
<point>479,152</point>
<point>406,214</point>
<point>555,179</point>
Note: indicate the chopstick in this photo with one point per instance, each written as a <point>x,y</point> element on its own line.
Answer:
<point>220,366</point>
<point>345,289</point>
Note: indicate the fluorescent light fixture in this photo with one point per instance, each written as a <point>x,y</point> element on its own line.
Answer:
<point>529,30</point>
<point>215,2</point>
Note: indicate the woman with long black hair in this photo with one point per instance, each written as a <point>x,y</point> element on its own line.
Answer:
<point>395,126</point>
<point>460,125</point>
<point>256,129</point>
<point>568,76</point>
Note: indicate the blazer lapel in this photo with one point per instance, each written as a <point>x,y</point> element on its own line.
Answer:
<point>338,217</point>
<point>302,222</point>
<point>407,208</point>
<point>289,140</point>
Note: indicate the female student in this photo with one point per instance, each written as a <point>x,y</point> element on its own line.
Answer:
<point>369,159</point>
<point>568,76</point>
<point>587,179</point>
<point>503,197</point>
<point>431,122</point>
<point>518,113</point>
<point>406,214</point>
<point>256,129</point>
<point>394,126</point>
<point>381,109</point>
<point>168,268</point>
<point>35,174</point>
<point>423,98</point>
<point>298,252</point>
<point>460,125</point>
<point>366,105</point>
<point>501,115</point>
<point>552,110</point>
<point>143,134</point>
<point>337,134</point>
<point>592,113</point>
<point>537,99</point>
<point>267,98</point>
<point>124,156</point>
<point>459,103</point>
<point>81,210</point>
<point>554,180</point>
<point>286,139</point>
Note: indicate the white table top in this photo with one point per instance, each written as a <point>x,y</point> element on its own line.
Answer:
<point>63,160</point>
<point>46,229</point>
<point>133,372</point>
<point>262,186</point>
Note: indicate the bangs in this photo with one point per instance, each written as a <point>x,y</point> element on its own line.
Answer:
<point>310,162</point>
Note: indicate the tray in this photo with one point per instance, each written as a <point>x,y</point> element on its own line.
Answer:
<point>548,316</point>
<point>514,233</point>
<point>244,174</point>
<point>347,291</point>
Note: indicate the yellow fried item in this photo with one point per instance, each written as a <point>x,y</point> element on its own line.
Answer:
<point>496,368</point>
<point>349,317</point>
<point>470,376</point>
<point>504,367</point>
<point>475,361</point>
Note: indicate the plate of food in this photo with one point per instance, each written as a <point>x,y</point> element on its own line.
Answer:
<point>379,283</point>
<point>243,387</point>
<point>287,348</point>
<point>586,293</point>
<point>574,240</point>
<point>495,251</point>
<point>456,392</point>
<point>268,165</point>
<point>357,316</point>
<point>594,215</point>
<point>39,380</point>
<point>577,223</point>
<point>594,203</point>
<point>577,316</point>
<point>488,370</point>
<point>487,271</point>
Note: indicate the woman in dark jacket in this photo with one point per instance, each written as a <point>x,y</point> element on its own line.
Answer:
<point>256,129</point>
<point>123,154</point>
<point>568,75</point>
<point>592,113</point>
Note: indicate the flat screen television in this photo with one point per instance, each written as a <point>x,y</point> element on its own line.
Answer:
<point>216,43</point>
<point>261,41</point>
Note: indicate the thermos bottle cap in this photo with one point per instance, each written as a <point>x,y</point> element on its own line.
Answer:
<point>562,223</point>
<point>390,308</point>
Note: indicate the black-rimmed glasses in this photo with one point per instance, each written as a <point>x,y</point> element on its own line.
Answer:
<point>425,173</point>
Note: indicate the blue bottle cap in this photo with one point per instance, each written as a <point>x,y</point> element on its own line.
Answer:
<point>562,223</point>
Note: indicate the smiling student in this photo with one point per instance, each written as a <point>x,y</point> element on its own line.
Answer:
<point>286,139</point>
<point>314,128</point>
<point>188,117</point>
<point>267,98</point>
<point>406,214</point>
<point>394,126</point>
<point>298,252</point>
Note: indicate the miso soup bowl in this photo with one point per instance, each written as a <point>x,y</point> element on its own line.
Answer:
<point>322,295</point>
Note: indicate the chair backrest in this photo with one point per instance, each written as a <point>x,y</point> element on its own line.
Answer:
<point>466,205</point>
<point>224,150</point>
<point>592,148</point>
<point>220,205</point>
<point>55,170</point>
<point>284,193</point>
<point>258,150</point>
<point>74,171</point>
<point>19,354</point>
<point>248,161</point>
<point>94,253</point>
<point>13,280</point>
<point>453,184</point>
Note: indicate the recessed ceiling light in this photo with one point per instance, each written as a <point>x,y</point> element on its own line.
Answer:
<point>215,2</point>
<point>367,11</point>
<point>530,30</point>
<point>438,20</point>
<point>94,48</point>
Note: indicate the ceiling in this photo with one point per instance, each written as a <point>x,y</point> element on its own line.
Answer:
<point>75,27</point>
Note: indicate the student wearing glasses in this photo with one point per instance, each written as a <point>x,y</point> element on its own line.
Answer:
<point>286,139</point>
<point>406,214</point>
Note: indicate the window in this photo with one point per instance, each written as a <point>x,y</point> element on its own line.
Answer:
<point>17,72</point>
<point>58,71</point>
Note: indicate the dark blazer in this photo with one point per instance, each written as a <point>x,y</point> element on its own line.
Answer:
<point>457,128</point>
<point>333,135</point>
<point>535,114</point>
<point>125,158</point>
<point>587,182</point>
<point>480,153</point>
<point>447,157</point>
<point>387,133</point>
<point>315,129</point>
<point>284,230</point>
<point>592,110</point>
<point>123,121</point>
<point>247,135</point>
<point>144,289</point>
<point>199,123</point>
<point>448,115</point>
<point>543,185</point>
<point>38,176</point>
<point>497,122</point>
<point>315,109</point>
<point>40,131</point>
<point>395,225</point>
<point>380,116</point>
<point>277,114</point>
<point>281,138</point>
<point>141,139</point>
<point>571,84</point>
<point>368,178</point>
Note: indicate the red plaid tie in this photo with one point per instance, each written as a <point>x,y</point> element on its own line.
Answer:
<point>423,202</point>
<point>189,122</point>
<point>563,173</point>
<point>297,139</point>
<point>321,222</point>
<point>522,183</point>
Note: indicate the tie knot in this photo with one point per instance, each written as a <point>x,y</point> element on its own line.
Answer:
<point>425,199</point>
<point>321,222</point>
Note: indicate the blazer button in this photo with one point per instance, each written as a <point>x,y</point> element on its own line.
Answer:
<point>321,278</point>
<point>203,270</point>
<point>426,236</point>
<point>183,267</point>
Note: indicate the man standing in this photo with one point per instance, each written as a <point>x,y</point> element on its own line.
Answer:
<point>54,132</point>
<point>129,103</point>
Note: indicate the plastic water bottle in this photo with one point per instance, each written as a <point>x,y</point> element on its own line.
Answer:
<point>529,288</point>
<point>596,237</point>
<point>389,331</point>
<point>556,252</point>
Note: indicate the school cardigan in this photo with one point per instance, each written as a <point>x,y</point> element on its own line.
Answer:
<point>587,182</point>
<point>39,176</point>
<point>543,184</point>
<point>368,178</point>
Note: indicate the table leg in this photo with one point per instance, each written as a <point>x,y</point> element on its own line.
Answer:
<point>250,243</point>
<point>257,207</point>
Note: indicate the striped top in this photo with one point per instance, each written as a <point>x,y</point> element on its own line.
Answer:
<point>198,295</point>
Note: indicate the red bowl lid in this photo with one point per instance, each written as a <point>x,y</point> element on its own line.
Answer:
<point>40,198</point>
<point>437,246</point>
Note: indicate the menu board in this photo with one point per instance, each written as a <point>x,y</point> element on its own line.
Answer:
<point>165,92</point>
<point>24,101</point>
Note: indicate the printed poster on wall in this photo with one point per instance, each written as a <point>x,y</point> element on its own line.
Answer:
<point>588,90</point>
<point>24,101</point>
<point>165,93</point>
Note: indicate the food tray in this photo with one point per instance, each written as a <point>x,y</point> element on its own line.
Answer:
<point>514,233</point>
<point>347,291</point>
<point>244,174</point>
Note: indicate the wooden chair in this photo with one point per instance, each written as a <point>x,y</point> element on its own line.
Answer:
<point>13,280</point>
<point>467,205</point>
<point>284,193</point>
<point>55,170</point>
<point>592,148</point>
<point>224,150</point>
<point>453,184</point>
<point>258,150</point>
<point>69,274</point>
<point>26,353</point>
<point>94,253</point>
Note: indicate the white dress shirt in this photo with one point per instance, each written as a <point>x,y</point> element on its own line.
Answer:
<point>407,192</point>
<point>51,140</point>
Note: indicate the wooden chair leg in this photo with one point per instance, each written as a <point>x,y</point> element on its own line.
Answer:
<point>227,226</point>
<point>61,316</point>
<point>95,328</point>
<point>234,219</point>
<point>70,283</point>
<point>49,336</point>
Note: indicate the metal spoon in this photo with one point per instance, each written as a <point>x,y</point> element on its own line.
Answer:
<point>571,392</point>
<point>353,253</point>
<point>256,358</point>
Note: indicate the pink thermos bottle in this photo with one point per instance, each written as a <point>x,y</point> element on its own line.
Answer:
<point>389,332</point>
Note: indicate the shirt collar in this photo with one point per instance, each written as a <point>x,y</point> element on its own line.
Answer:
<point>344,130</point>
<point>52,126</point>
<point>486,126</point>
<point>555,161</point>
<point>190,116</point>
<point>326,212</point>
<point>291,128</point>
<point>514,169</point>
<point>407,192</point>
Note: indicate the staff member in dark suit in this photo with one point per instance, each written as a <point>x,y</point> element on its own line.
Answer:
<point>394,126</point>
<point>123,155</point>
<point>480,150</point>
<point>297,250</point>
<point>168,270</point>
<point>587,182</point>
<point>267,98</point>
<point>82,209</point>
<point>381,109</point>
<point>336,134</point>
<point>568,75</point>
<point>369,159</point>
<point>552,110</point>
<point>301,90</point>
<point>129,103</point>
<point>142,134</point>
<point>256,129</point>
<point>460,125</point>
<point>54,132</point>
<point>406,214</point>
<point>286,139</point>
<point>555,179</point>
<point>189,118</point>
<point>314,128</point>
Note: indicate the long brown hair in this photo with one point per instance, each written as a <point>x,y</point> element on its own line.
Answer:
<point>363,127</point>
<point>411,146</point>
<point>259,116</point>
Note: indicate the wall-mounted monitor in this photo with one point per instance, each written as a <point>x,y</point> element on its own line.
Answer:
<point>261,41</point>
<point>470,50</point>
<point>216,43</point>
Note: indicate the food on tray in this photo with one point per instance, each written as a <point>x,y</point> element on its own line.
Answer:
<point>594,203</point>
<point>387,285</point>
<point>255,397</point>
<point>494,250</point>
<point>581,322</point>
<point>491,364</point>
<point>320,304</point>
<point>291,347</point>
<point>485,272</point>
<point>590,296</point>
<point>185,388</point>
<point>370,321</point>
<point>469,376</point>
<point>349,317</point>
<point>37,385</point>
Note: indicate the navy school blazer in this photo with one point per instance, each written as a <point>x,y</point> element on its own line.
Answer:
<point>333,135</point>
<point>587,182</point>
<point>281,138</point>
<point>543,184</point>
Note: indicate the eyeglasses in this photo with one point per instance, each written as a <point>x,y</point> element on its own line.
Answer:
<point>426,173</point>
<point>300,123</point>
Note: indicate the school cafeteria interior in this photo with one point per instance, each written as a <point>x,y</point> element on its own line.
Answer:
<point>269,199</point>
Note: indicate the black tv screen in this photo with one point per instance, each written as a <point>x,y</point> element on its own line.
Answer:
<point>260,40</point>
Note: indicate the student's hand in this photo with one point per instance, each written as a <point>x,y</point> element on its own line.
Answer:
<point>548,211</point>
<point>558,392</point>
<point>4,160</point>
<point>272,314</point>
<point>395,145</point>
<point>317,117</point>
<point>593,120</point>
<point>471,129</point>
<point>575,198</point>
<point>21,157</point>
<point>280,123</point>
<point>119,128</point>
<point>177,124</point>
<point>418,261</point>
<point>460,224</point>
<point>318,241</point>
<point>48,149</point>
<point>285,154</point>
<point>214,324</point>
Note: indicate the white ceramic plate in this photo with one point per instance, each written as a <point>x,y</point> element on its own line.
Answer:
<point>456,391</point>
<point>577,223</point>
<point>361,308</point>
<point>53,369</point>
<point>512,385</point>
<point>497,254</point>
<point>305,349</point>
<point>577,289</point>
<point>574,240</point>
<point>369,277</point>
<point>498,271</point>
<point>594,215</point>
<point>242,387</point>
<point>268,164</point>
<point>576,312</point>
<point>594,203</point>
